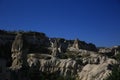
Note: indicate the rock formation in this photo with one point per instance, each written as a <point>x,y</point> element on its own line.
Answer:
<point>54,46</point>
<point>96,71</point>
<point>19,52</point>
<point>66,67</point>
<point>76,44</point>
<point>34,55</point>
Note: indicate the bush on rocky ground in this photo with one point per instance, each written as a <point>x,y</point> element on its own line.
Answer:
<point>115,74</point>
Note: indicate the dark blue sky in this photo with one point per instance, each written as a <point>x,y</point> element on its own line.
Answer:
<point>96,21</point>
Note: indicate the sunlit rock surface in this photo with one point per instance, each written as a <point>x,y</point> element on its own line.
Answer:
<point>96,71</point>
<point>29,55</point>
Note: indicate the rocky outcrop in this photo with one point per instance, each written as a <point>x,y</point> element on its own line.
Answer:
<point>109,51</point>
<point>60,44</point>
<point>66,67</point>
<point>19,52</point>
<point>96,71</point>
<point>77,44</point>
<point>33,54</point>
<point>54,46</point>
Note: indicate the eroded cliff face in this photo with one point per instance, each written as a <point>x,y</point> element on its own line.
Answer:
<point>34,54</point>
<point>97,71</point>
<point>19,52</point>
<point>65,67</point>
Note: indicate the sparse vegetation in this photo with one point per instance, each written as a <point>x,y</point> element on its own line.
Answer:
<point>115,75</point>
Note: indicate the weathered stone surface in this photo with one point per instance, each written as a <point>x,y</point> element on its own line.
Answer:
<point>55,46</point>
<point>110,51</point>
<point>19,51</point>
<point>89,57</point>
<point>58,45</point>
<point>76,44</point>
<point>96,71</point>
<point>34,53</point>
<point>64,67</point>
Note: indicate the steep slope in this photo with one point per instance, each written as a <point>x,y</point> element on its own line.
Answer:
<point>31,55</point>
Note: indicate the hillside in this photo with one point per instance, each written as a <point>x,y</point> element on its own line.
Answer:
<point>33,55</point>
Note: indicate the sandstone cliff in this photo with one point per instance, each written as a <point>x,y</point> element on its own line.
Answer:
<point>31,55</point>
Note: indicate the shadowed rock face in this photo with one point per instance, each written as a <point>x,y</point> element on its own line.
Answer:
<point>18,43</point>
<point>34,53</point>
<point>19,52</point>
<point>77,44</point>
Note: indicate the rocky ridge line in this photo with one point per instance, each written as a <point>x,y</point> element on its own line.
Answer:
<point>34,52</point>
